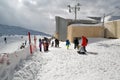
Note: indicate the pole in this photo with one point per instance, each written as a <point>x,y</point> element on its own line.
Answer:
<point>75,13</point>
<point>30,42</point>
<point>103,19</point>
<point>35,42</point>
<point>104,26</point>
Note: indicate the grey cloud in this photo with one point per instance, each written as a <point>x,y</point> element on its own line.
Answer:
<point>40,14</point>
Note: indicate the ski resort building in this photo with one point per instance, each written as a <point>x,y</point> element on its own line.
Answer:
<point>70,29</point>
<point>88,30</point>
<point>63,24</point>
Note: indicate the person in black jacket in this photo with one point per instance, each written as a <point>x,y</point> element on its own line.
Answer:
<point>56,43</point>
<point>76,43</point>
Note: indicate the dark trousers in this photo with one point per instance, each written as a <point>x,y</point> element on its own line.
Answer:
<point>75,46</point>
<point>40,49</point>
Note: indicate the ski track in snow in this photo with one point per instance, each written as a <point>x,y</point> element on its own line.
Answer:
<point>100,63</point>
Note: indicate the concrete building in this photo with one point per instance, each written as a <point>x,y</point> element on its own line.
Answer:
<point>112,29</point>
<point>88,30</point>
<point>62,26</point>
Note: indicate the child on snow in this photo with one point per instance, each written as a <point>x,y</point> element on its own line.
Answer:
<point>67,43</point>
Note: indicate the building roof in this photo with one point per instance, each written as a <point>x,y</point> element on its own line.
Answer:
<point>111,18</point>
<point>81,25</point>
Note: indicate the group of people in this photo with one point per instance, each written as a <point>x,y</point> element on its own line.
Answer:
<point>45,43</point>
<point>80,46</point>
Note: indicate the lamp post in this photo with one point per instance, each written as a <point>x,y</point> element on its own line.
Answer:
<point>74,9</point>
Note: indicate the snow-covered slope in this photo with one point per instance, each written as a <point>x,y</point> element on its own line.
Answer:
<point>101,62</point>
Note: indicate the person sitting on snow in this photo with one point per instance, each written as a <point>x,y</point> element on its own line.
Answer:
<point>22,46</point>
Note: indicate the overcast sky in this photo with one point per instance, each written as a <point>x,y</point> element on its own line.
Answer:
<point>40,14</point>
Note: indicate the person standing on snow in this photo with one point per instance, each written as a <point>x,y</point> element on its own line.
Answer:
<point>84,43</point>
<point>56,43</point>
<point>67,43</point>
<point>52,42</point>
<point>5,39</point>
<point>40,45</point>
<point>46,44</point>
<point>76,43</point>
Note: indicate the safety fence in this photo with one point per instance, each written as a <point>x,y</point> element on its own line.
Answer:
<point>10,61</point>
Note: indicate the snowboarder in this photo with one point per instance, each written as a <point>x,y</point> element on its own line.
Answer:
<point>84,43</point>
<point>67,43</point>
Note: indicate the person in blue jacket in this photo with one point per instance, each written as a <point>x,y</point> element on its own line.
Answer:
<point>67,43</point>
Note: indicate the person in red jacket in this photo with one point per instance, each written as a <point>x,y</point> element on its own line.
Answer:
<point>84,43</point>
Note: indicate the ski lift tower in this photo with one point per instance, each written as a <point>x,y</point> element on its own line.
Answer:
<point>74,9</point>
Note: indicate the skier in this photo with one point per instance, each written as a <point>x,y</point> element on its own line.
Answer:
<point>84,43</point>
<point>67,43</point>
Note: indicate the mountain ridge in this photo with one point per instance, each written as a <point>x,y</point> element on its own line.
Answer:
<point>17,30</point>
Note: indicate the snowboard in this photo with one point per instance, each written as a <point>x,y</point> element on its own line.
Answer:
<point>81,52</point>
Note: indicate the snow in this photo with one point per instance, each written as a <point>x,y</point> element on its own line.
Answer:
<point>101,62</point>
<point>86,25</point>
<point>16,41</point>
<point>111,18</point>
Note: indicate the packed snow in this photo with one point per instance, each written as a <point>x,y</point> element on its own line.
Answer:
<point>102,61</point>
<point>13,43</point>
